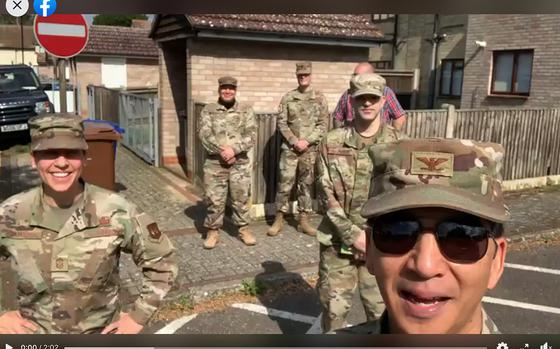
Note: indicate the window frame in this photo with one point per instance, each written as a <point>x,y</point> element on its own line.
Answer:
<point>516,53</point>
<point>382,64</point>
<point>453,64</point>
<point>382,17</point>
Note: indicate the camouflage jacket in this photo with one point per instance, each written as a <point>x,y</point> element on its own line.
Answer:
<point>302,116</point>
<point>381,326</point>
<point>344,175</point>
<point>234,127</point>
<point>68,280</point>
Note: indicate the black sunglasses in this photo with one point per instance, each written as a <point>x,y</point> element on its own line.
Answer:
<point>462,239</point>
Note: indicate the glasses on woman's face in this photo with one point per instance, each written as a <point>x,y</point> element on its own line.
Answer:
<point>462,239</point>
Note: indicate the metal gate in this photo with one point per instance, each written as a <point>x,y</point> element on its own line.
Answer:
<point>138,115</point>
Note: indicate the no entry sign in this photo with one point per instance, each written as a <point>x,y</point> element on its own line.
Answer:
<point>61,35</point>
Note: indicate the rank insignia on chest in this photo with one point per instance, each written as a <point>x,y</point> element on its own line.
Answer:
<point>154,231</point>
<point>59,264</point>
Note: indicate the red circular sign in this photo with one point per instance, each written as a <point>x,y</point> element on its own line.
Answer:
<point>61,35</point>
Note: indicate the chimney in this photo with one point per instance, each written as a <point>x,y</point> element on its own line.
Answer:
<point>140,23</point>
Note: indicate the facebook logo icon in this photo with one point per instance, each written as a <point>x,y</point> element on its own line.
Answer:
<point>44,8</point>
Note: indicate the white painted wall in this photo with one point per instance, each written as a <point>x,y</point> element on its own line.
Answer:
<point>113,72</point>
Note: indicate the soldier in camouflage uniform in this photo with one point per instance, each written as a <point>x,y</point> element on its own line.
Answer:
<point>64,239</point>
<point>227,132</point>
<point>435,239</point>
<point>344,173</point>
<point>302,121</point>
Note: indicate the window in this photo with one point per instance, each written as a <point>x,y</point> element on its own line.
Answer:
<point>381,64</point>
<point>511,73</point>
<point>381,17</point>
<point>451,77</point>
<point>113,72</point>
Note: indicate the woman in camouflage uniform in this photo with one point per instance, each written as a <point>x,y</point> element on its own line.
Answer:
<point>64,239</point>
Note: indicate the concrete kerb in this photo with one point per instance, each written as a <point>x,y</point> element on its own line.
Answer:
<point>535,236</point>
<point>530,183</point>
<point>272,280</point>
<point>198,293</point>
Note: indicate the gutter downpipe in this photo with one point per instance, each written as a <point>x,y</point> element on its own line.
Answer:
<point>394,51</point>
<point>435,44</point>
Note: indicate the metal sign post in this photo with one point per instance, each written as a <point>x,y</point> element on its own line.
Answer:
<point>62,84</point>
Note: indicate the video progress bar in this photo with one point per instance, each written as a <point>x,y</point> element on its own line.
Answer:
<point>276,348</point>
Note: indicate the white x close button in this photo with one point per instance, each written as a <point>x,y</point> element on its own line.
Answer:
<point>17,8</point>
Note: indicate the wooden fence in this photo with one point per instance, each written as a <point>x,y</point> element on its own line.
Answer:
<point>103,103</point>
<point>530,138</point>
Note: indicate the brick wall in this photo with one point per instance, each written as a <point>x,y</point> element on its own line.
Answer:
<point>266,71</point>
<point>413,51</point>
<point>89,73</point>
<point>416,52</point>
<point>538,32</point>
<point>173,100</point>
<point>142,73</point>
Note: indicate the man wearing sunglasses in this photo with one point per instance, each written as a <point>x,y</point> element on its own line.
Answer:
<point>344,173</point>
<point>435,235</point>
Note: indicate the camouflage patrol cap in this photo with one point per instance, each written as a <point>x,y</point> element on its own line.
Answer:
<point>458,174</point>
<point>227,80</point>
<point>57,131</point>
<point>303,68</point>
<point>367,84</point>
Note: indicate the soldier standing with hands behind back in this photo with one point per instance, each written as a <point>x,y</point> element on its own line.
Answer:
<point>227,132</point>
<point>302,121</point>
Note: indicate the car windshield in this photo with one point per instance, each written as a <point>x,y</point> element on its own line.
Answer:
<point>17,80</point>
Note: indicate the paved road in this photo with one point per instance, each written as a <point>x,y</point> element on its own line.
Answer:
<point>532,298</point>
<point>531,212</point>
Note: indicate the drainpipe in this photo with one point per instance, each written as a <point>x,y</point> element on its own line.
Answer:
<point>395,29</point>
<point>435,40</point>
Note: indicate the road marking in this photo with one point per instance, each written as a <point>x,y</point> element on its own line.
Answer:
<point>316,328</point>
<point>531,268</point>
<point>174,325</point>
<point>528,306</point>
<point>275,312</point>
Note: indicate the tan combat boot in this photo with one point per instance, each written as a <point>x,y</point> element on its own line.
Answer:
<point>276,227</point>
<point>212,239</point>
<point>304,225</point>
<point>246,235</point>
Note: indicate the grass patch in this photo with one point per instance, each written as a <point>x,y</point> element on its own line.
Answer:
<point>185,304</point>
<point>186,301</point>
<point>253,287</point>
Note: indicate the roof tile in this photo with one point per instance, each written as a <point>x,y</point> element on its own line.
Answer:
<point>120,41</point>
<point>321,25</point>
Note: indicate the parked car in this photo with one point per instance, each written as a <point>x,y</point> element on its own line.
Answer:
<point>21,97</point>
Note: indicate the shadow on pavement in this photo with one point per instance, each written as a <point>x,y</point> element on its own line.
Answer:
<point>197,213</point>
<point>120,187</point>
<point>291,293</point>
